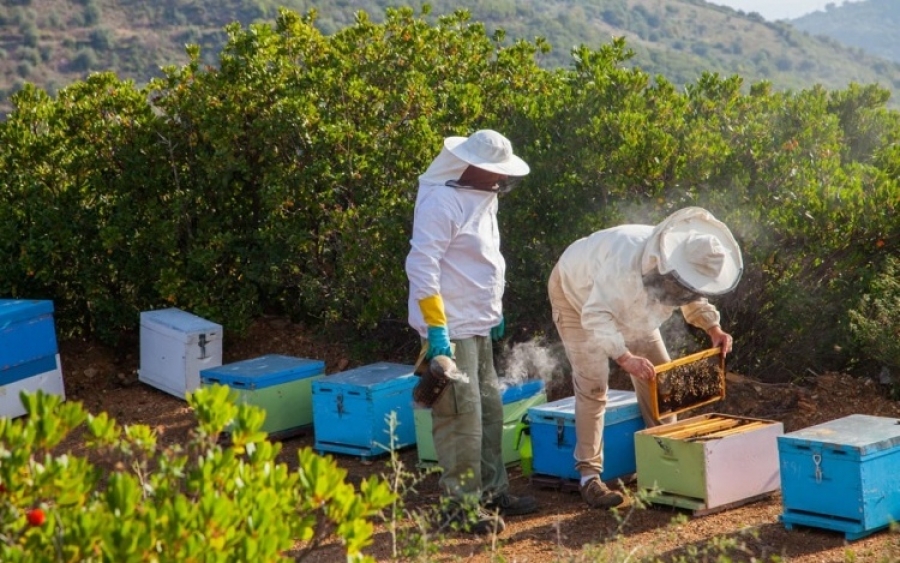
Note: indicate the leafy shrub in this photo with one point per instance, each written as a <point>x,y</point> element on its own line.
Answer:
<point>875,319</point>
<point>195,501</point>
<point>281,179</point>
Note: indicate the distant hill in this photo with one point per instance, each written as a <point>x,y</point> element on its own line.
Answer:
<point>51,43</point>
<point>872,25</point>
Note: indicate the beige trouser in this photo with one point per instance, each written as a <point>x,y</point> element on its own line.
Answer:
<point>590,377</point>
<point>468,426</point>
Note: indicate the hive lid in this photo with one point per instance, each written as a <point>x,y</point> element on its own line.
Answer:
<point>373,376</point>
<point>620,406</point>
<point>16,310</point>
<point>522,390</point>
<point>264,371</point>
<point>177,321</point>
<point>862,433</point>
<point>688,383</point>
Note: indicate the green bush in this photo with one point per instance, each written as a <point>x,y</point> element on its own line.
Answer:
<point>195,501</point>
<point>281,179</point>
<point>875,319</point>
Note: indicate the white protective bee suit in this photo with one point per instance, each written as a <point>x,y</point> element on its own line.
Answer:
<point>602,310</point>
<point>455,254</point>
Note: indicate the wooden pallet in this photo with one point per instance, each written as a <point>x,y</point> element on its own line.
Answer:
<point>279,436</point>
<point>697,508</point>
<point>572,485</point>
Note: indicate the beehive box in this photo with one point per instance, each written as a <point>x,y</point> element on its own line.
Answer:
<point>517,399</point>
<point>553,437</point>
<point>710,462</point>
<point>50,382</point>
<point>280,385</point>
<point>27,338</point>
<point>687,383</point>
<point>29,359</point>
<point>174,346</point>
<point>351,410</point>
<point>842,475</point>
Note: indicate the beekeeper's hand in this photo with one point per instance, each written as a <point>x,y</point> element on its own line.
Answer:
<point>438,336</point>
<point>499,330</point>
<point>720,339</point>
<point>642,368</point>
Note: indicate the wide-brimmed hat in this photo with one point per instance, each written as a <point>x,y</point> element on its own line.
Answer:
<point>489,151</point>
<point>701,252</point>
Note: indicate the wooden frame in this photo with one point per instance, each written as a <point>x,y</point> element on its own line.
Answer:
<point>702,355</point>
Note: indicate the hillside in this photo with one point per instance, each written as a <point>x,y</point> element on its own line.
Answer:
<point>51,43</point>
<point>870,25</point>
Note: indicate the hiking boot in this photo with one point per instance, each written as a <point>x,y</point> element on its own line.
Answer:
<point>597,495</point>
<point>511,505</point>
<point>469,519</point>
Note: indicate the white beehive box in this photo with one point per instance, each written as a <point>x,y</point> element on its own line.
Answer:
<point>175,346</point>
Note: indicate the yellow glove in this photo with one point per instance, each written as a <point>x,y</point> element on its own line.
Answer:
<point>438,336</point>
<point>433,310</point>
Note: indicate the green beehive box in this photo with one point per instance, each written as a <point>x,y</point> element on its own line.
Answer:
<point>517,399</point>
<point>280,385</point>
<point>709,462</point>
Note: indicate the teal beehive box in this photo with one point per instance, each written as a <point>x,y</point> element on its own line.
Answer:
<point>842,475</point>
<point>352,410</point>
<point>280,385</point>
<point>517,399</point>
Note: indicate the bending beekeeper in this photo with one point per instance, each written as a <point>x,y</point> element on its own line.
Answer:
<point>610,293</point>
<point>456,283</point>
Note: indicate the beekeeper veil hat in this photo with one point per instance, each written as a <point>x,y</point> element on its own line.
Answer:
<point>488,150</point>
<point>698,249</point>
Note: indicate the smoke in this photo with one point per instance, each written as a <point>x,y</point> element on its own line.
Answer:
<point>680,338</point>
<point>525,361</point>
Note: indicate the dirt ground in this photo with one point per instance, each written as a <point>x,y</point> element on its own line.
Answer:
<point>564,529</point>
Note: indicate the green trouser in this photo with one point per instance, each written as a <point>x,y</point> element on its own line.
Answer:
<point>468,427</point>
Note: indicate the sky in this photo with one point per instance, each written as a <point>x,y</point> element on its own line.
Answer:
<point>778,9</point>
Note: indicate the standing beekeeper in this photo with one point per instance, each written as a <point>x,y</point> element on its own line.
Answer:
<point>610,293</point>
<point>456,282</point>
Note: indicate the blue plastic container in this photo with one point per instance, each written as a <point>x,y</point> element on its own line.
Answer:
<point>842,475</point>
<point>553,436</point>
<point>351,410</point>
<point>27,339</point>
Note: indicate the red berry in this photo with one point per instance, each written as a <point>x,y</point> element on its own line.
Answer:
<point>36,517</point>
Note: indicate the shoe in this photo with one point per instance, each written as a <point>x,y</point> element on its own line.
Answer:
<point>511,505</point>
<point>474,520</point>
<point>597,495</point>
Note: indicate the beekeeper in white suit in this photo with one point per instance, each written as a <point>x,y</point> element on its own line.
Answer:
<point>456,282</point>
<point>610,293</point>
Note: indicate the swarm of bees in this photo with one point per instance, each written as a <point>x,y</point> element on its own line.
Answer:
<point>689,385</point>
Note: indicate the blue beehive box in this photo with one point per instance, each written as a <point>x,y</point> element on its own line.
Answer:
<point>280,385</point>
<point>29,355</point>
<point>351,409</point>
<point>27,339</point>
<point>842,475</point>
<point>553,436</point>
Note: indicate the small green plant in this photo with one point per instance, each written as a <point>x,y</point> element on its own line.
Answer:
<point>131,499</point>
<point>410,529</point>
